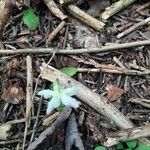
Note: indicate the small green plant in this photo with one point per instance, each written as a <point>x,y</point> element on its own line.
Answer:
<point>131,145</point>
<point>70,71</point>
<point>30,19</point>
<point>60,97</point>
<point>100,148</point>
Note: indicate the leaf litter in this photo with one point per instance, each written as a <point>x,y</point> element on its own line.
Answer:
<point>32,32</point>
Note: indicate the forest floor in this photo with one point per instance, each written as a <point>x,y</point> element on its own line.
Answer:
<point>108,59</point>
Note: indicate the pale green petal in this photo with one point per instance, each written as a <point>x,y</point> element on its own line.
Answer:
<point>71,91</point>
<point>69,101</point>
<point>54,103</point>
<point>46,93</point>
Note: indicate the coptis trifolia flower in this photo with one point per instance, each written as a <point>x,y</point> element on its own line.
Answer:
<point>59,96</point>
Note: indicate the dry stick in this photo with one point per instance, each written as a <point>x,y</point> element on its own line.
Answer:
<point>116,7</point>
<point>107,68</point>
<point>85,18</point>
<point>54,9</point>
<point>110,48</point>
<point>89,97</point>
<point>126,135</point>
<point>134,27</point>
<point>36,121</point>
<point>52,35</point>
<point>114,71</point>
<point>29,91</point>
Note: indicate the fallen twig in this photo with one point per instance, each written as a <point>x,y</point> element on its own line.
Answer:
<point>85,18</point>
<point>110,48</point>
<point>126,135</point>
<point>54,9</point>
<point>52,35</point>
<point>118,70</point>
<point>134,27</point>
<point>29,92</point>
<point>116,7</point>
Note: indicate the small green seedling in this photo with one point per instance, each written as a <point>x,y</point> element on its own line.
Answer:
<point>100,148</point>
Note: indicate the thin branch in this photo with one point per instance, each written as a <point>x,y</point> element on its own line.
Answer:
<point>52,35</point>
<point>134,27</point>
<point>110,48</point>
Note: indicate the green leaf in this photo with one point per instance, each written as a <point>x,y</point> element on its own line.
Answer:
<point>30,19</point>
<point>143,147</point>
<point>119,146</point>
<point>100,148</point>
<point>131,144</point>
<point>70,71</point>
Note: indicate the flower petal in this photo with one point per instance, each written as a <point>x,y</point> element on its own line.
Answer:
<point>46,93</point>
<point>54,103</point>
<point>71,91</point>
<point>69,101</point>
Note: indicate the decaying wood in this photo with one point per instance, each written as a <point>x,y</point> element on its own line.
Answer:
<point>5,9</point>
<point>54,9</point>
<point>85,18</point>
<point>89,97</point>
<point>62,117</point>
<point>126,135</point>
<point>72,134</point>
<point>110,48</point>
<point>116,7</point>
<point>134,27</point>
<point>52,35</point>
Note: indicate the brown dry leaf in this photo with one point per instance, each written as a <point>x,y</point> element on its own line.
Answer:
<point>22,42</point>
<point>13,94</point>
<point>14,63</point>
<point>4,134</point>
<point>113,92</point>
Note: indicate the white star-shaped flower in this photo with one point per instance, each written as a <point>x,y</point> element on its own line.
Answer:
<point>59,96</point>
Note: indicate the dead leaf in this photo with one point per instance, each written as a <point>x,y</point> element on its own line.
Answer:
<point>23,42</point>
<point>14,63</point>
<point>13,94</point>
<point>113,92</point>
